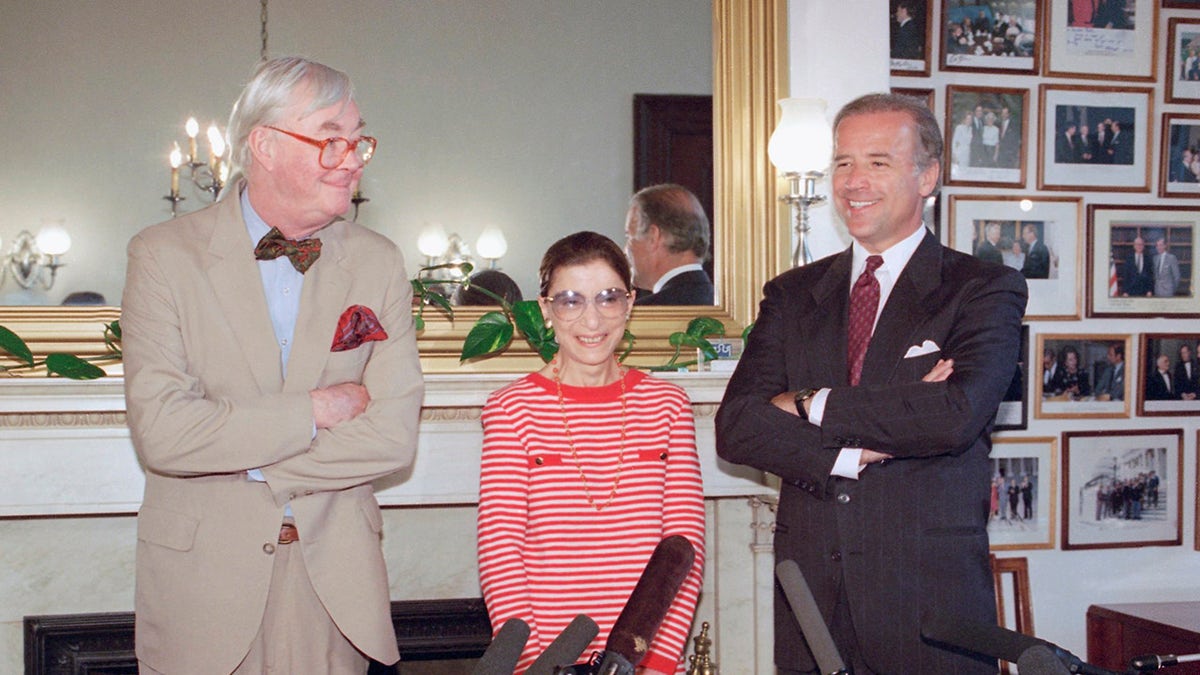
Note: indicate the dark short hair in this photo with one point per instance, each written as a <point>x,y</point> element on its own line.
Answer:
<point>582,248</point>
<point>493,280</point>
<point>929,134</point>
<point>1118,349</point>
<point>677,213</point>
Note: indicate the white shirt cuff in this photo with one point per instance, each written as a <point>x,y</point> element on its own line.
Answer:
<point>816,408</point>
<point>847,465</point>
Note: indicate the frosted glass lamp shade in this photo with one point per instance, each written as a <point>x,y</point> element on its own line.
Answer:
<point>53,239</point>
<point>433,241</point>
<point>803,141</point>
<point>491,244</point>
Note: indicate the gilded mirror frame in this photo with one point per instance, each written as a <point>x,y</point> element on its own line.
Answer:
<point>749,73</point>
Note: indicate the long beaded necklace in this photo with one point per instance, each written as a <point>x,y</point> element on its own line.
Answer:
<point>562,406</point>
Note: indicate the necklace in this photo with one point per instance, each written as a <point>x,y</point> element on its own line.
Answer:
<point>562,406</point>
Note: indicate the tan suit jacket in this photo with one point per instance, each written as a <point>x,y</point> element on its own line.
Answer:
<point>207,401</point>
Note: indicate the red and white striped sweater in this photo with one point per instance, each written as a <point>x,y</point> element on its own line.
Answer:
<point>545,553</point>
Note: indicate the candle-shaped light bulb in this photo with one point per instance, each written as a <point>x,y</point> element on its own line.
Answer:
<point>176,160</point>
<point>217,147</point>
<point>192,127</point>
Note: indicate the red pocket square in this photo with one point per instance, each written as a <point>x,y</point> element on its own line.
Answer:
<point>357,325</point>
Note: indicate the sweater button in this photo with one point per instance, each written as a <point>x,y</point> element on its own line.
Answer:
<point>538,461</point>
<point>843,498</point>
<point>269,549</point>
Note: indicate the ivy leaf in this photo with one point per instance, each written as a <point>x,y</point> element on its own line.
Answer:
<point>419,323</point>
<point>11,343</point>
<point>440,301</point>
<point>72,367</point>
<point>490,334</point>
<point>704,326</point>
<point>746,333</point>
<point>532,324</point>
<point>694,341</point>
<point>114,328</point>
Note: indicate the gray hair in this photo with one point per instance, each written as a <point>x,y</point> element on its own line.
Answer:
<point>929,134</point>
<point>677,213</point>
<point>270,90</point>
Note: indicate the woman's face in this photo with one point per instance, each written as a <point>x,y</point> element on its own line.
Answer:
<point>1071,360</point>
<point>593,336</point>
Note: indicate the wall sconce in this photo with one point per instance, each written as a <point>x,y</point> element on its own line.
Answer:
<point>491,245</point>
<point>209,176</point>
<point>433,242</point>
<point>800,148</point>
<point>35,260</point>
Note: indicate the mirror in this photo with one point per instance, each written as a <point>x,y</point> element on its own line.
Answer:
<point>748,52</point>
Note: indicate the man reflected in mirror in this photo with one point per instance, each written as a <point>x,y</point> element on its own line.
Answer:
<point>666,239</point>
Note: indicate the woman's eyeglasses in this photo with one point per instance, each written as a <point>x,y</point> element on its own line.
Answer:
<point>569,305</point>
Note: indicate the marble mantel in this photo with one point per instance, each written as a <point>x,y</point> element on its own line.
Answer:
<point>66,449</point>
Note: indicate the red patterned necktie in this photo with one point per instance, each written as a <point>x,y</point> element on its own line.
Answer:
<point>864,303</point>
<point>302,253</point>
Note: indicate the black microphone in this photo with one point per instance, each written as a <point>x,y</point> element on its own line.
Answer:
<point>1041,660</point>
<point>566,648</point>
<point>1152,662</point>
<point>808,615</point>
<point>645,610</point>
<point>502,654</point>
<point>1000,643</point>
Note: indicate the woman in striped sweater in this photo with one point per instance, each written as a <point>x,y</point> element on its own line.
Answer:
<point>587,465</point>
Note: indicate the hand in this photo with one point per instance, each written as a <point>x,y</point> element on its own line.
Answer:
<point>940,372</point>
<point>872,457</point>
<point>786,402</point>
<point>338,403</point>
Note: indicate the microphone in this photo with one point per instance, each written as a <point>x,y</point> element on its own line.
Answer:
<point>502,654</point>
<point>1000,643</point>
<point>1041,660</point>
<point>816,633</point>
<point>567,647</point>
<point>1152,662</point>
<point>645,610</point>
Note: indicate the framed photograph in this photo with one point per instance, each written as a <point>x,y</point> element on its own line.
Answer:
<point>1013,412</point>
<point>1181,4</point>
<point>1169,381</point>
<point>1000,36</point>
<point>1179,169</point>
<point>1113,40</point>
<point>1082,376</point>
<point>1196,510</point>
<point>985,136</point>
<point>1183,59</point>
<point>1023,492</point>
<point>1122,488</point>
<point>1141,261</point>
<point>925,96</point>
<point>1040,236</point>
<point>910,44</point>
<point>1094,138</point>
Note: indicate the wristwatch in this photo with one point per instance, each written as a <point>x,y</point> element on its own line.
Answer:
<point>802,396</point>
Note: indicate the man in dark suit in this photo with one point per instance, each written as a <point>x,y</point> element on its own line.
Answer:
<point>1066,146</point>
<point>1187,377</point>
<point>987,249</point>
<point>1160,385</point>
<point>908,37</point>
<point>1121,145</point>
<point>1037,257</point>
<point>1111,384</point>
<point>1137,276</point>
<point>666,239</point>
<point>1009,154</point>
<point>856,432</point>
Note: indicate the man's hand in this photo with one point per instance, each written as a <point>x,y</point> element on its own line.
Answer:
<point>338,403</point>
<point>786,402</point>
<point>940,372</point>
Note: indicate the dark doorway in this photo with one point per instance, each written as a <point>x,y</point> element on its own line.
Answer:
<point>673,143</point>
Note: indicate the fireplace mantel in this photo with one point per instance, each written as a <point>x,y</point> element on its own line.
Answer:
<point>67,450</point>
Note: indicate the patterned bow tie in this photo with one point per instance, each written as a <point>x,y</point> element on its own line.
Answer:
<point>301,253</point>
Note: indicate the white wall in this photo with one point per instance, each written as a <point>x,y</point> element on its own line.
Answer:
<point>837,54</point>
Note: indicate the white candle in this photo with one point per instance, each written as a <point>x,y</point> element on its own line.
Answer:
<point>176,160</point>
<point>192,127</point>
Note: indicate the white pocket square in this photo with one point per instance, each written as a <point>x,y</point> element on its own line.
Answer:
<point>926,347</point>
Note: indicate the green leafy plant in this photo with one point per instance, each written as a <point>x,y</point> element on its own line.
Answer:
<point>494,331</point>
<point>58,363</point>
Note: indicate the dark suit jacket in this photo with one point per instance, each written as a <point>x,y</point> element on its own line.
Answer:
<point>1185,384</point>
<point>1112,382</point>
<point>1134,282</point>
<point>689,288</point>
<point>1037,261</point>
<point>909,538</point>
<point>908,41</point>
<point>1156,388</point>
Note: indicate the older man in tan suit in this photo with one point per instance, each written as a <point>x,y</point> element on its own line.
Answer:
<point>269,380</point>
